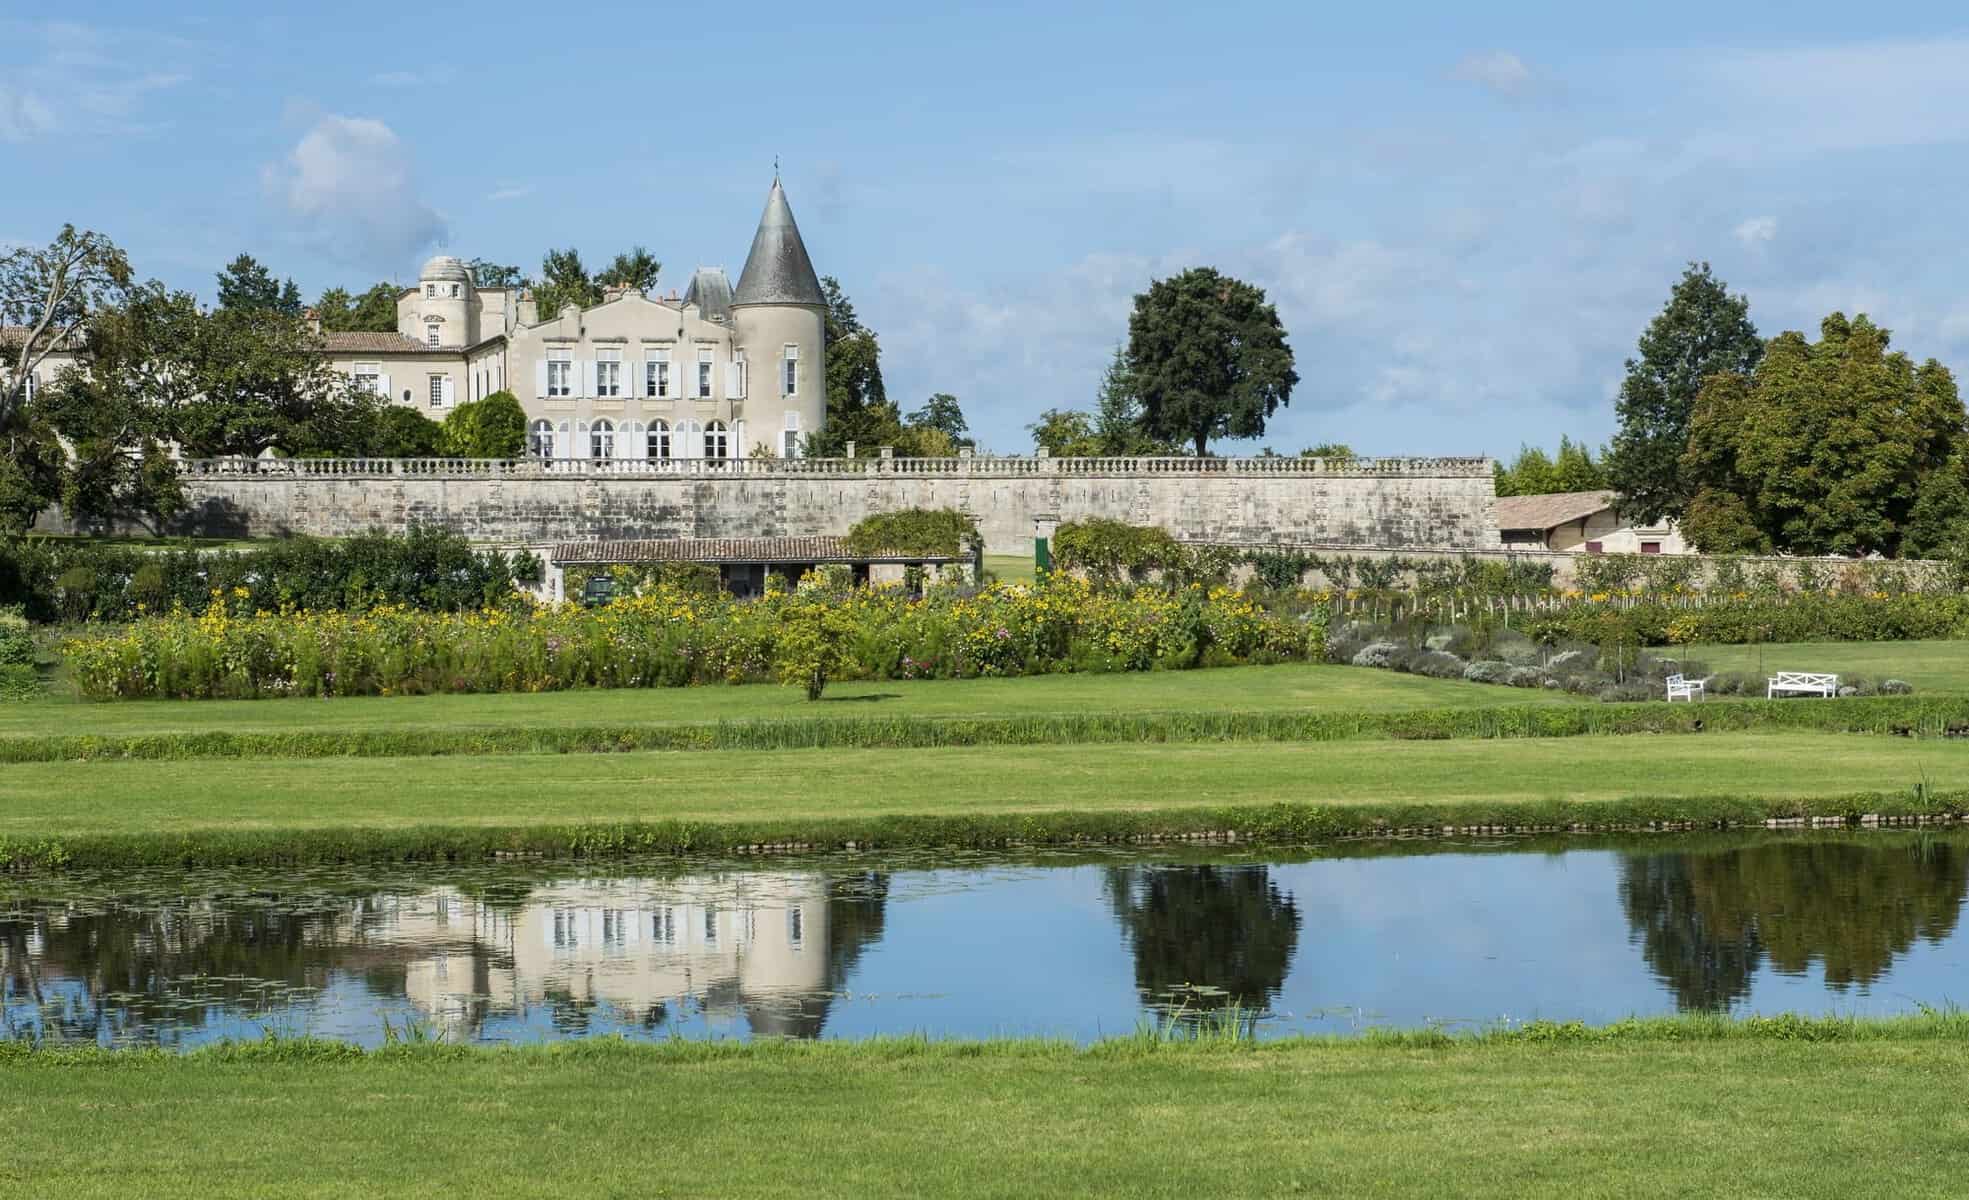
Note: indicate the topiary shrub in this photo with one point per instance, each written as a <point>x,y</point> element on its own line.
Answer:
<point>930,532</point>
<point>1376,654</point>
<point>1896,687</point>
<point>1525,677</point>
<point>1490,671</point>
<point>1108,552</point>
<point>1437,664</point>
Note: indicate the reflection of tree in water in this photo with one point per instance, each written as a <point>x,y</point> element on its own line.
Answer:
<point>240,954</point>
<point>1226,927</point>
<point>1706,922</point>
<point>857,908</point>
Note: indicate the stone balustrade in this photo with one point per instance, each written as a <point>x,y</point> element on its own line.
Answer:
<point>968,467</point>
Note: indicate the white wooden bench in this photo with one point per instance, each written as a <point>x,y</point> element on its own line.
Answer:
<point>1802,683</point>
<point>1681,688</point>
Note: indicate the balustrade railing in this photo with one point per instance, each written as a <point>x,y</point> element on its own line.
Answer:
<point>975,467</point>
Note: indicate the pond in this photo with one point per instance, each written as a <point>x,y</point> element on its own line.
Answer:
<point>1329,940</point>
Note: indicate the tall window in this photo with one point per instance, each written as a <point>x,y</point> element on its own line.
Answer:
<point>704,374</point>
<point>601,440</point>
<point>369,378</point>
<point>656,375</point>
<point>790,372</point>
<point>789,440</point>
<point>540,439</point>
<point>430,291</point>
<point>454,291</point>
<point>659,440</point>
<point>608,372</point>
<point>560,373</point>
<point>717,440</point>
<point>738,374</point>
<point>431,333</point>
<point>437,391</point>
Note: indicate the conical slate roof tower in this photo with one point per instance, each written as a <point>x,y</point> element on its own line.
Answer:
<point>777,271</point>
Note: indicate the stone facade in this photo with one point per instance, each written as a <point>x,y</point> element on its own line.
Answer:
<point>1402,504</point>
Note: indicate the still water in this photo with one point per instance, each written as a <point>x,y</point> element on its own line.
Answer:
<point>1338,939</point>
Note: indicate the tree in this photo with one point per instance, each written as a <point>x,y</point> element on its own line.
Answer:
<point>1533,473</point>
<point>942,414</point>
<point>246,286</point>
<point>1205,937</point>
<point>257,382</point>
<point>1207,358</point>
<point>494,427</point>
<point>858,406</point>
<point>1702,331</point>
<point>488,274</point>
<point>1118,414</point>
<point>564,281</point>
<point>637,269</point>
<point>1066,433</point>
<point>1823,449</point>
<point>1331,451</point>
<point>375,311</point>
<point>51,294</point>
<point>397,431</point>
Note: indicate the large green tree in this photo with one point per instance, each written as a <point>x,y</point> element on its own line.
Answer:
<point>1118,413</point>
<point>1533,473</point>
<point>1700,332</point>
<point>494,427</point>
<point>246,285</point>
<point>564,281</point>
<point>489,274</point>
<point>257,382</point>
<point>858,405</point>
<point>375,311</point>
<point>1066,433</point>
<point>1207,358</point>
<point>636,268</point>
<point>50,294</point>
<point>1823,449</point>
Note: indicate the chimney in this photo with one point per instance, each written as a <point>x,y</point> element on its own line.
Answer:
<point>313,317</point>
<point>525,311</point>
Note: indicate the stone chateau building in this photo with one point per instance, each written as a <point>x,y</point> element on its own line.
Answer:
<point>713,373</point>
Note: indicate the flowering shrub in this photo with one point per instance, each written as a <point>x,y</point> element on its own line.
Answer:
<point>668,637</point>
<point>1809,617</point>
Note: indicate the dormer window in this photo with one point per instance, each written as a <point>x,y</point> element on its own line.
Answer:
<point>431,333</point>
<point>430,291</point>
<point>454,291</point>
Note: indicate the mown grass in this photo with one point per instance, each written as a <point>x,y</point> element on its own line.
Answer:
<point>1679,1107</point>
<point>1932,667</point>
<point>1294,686</point>
<point>289,810</point>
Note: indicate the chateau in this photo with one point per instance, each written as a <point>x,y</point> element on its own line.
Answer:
<point>719,372</point>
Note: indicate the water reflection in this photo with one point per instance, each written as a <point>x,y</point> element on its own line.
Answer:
<point>582,955</point>
<point>1708,921</point>
<point>1205,937</point>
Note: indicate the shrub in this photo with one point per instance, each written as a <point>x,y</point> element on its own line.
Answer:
<point>1896,687</point>
<point>1437,664</point>
<point>1108,552</point>
<point>494,427</point>
<point>18,682</point>
<point>16,639</point>
<point>1525,677</point>
<point>1376,654</point>
<point>930,532</point>
<point>1491,672</point>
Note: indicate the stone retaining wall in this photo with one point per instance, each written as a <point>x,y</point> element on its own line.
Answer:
<point>1412,504</point>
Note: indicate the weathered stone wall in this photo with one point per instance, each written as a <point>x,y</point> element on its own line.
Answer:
<point>1391,503</point>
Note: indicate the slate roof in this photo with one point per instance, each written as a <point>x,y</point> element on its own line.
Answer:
<point>778,271</point>
<point>726,550</point>
<point>1551,510</point>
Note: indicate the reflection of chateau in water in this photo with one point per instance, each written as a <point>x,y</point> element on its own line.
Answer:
<point>771,948</point>
<point>1707,922</point>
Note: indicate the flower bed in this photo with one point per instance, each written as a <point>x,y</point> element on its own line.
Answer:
<point>668,637</point>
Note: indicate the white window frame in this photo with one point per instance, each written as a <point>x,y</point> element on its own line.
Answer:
<point>656,375</point>
<point>723,434</point>
<point>437,391</point>
<point>371,371</point>
<point>601,439</point>
<point>540,438</point>
<point>657,443</point>
<point>706,362</point>
<point>430,291</point>
<point>789,376</point>
<point>432,333</point>
<point>560,362</point>
<point>608,374</point>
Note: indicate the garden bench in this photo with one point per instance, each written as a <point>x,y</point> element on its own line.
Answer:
<point>1807,683</point>
<point>1683,688</point>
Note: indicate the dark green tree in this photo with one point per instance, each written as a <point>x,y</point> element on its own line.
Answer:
<point>257,382</point>
<point>636,268</point>
<point>942,413</point>
<point>397,431</point>
<point>494,427</point>
<point>1823,449</point>
<point>1207,358</point>
<point>1066,433</point>
<point>564,281</point>
<point>858,405</point>
<point>1334,451</point>
<point>1118,414</point>
<point>375,311</point>
<point>245,286</point>
<point>1701,331</point>
<point>50,295</point>
<point>488,274</point>
<point>1228,929</point>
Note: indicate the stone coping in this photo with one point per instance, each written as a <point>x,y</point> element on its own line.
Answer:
<point>929,468</point>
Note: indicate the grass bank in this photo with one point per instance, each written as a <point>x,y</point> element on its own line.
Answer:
<point>285,810</point>
<point>1680,1107</point>
<point>1932,667</point>
<point>1904,716</point>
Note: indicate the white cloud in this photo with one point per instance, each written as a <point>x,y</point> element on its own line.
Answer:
<point>351,184</point>
<point>80,80</point>
<point>511,191</point>
<point>1756,231</point>
<point>1499,71</point>
<point>1814,100</point>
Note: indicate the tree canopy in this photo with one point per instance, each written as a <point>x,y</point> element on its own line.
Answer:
<point>564,281</point>
<point>247,286</point>
<point>1532,473</point>
<point>636,268</point>
<point>1207,358</point>
<point>858,405</point>
<point>1823,449</point>
<point>494,427</point>
<point>1700,332</point>
<point>375,311</point>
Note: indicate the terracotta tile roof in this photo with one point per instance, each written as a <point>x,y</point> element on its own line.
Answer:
<point>363,342</point>
<point>1551,510</point>
<point>724,550</point>
<point>11,336</point>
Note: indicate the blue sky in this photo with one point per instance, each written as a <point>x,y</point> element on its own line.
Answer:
<point>1465,213</point>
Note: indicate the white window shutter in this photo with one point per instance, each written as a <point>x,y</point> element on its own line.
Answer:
<point>383,386</point>
<point>739,447</point>
<point>731,382</point>
<point>588,376</point>
<point>447,391</point>
<point>634,375</point>
<point>540,380</point>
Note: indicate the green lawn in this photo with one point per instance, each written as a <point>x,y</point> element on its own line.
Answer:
<point>1932,667</point>
<point>1289,686</point>
<point>796,789</point>
<point>1729,1118</point>
<point>1010,568</point>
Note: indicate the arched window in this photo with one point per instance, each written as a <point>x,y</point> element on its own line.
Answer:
<point>717,440</point>
<point>540,439</point>
<point>601,440</point>
<point>659,440</point>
